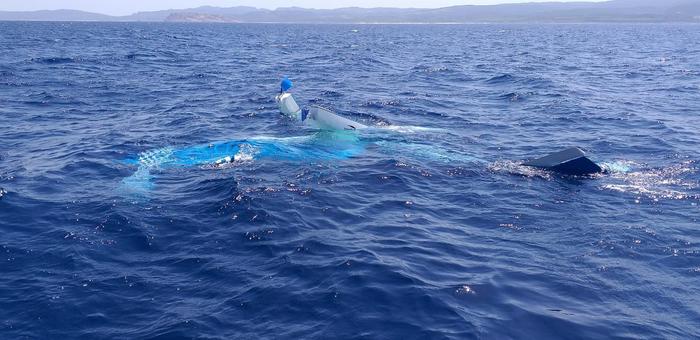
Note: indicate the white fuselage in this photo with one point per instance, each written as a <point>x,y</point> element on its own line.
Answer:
<point>315,117</point>
<point>288,106</point>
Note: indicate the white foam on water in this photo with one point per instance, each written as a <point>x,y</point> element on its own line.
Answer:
<point>407,128</point>
<point>246,153</point>
<point>292,139</point>
<point>620,166</point>
<point>424,151</point>
<point>517,168</point>
<point>670,182</point>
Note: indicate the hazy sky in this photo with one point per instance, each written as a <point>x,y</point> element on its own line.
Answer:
<point>123,7</point>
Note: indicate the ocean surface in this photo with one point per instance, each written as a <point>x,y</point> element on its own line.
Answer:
<point>122,217</point>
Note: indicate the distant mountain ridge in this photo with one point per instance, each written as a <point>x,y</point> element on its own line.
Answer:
<point>609,11</point>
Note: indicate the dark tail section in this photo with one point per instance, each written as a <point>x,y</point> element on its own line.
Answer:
<point>571,161</point>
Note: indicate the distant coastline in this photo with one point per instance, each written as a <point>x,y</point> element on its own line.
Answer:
<point>622,11</point>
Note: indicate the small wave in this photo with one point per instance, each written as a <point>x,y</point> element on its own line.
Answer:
<point>54,60</point>
<point>195,76</point>
<point>371,61</point>
<point>516,96</point>
<point>378,104</point>
<point>430,69</point>
<point>331,93</point>
<point>46,98</point>
<point>504,78</point>
<point>2,192</point>
<point>136,55</point>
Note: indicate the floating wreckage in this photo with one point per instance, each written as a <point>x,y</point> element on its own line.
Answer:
<point>571,161</point>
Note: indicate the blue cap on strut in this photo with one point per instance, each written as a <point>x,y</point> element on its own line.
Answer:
<point>285,85</point>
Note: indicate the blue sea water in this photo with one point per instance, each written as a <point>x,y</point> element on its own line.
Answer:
<point>400,233</point>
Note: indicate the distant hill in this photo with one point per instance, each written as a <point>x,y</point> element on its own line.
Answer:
<point>172,14</point>
<point>610,11</point>
<point>55,15</point>
<point>197,17</point>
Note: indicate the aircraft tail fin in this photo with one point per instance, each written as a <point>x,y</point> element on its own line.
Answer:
<point>572,161</point>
